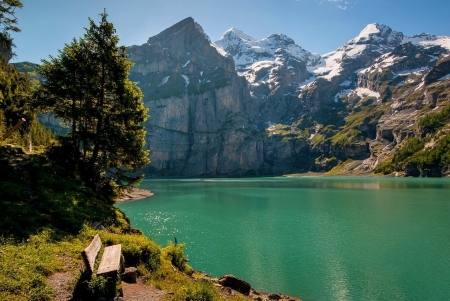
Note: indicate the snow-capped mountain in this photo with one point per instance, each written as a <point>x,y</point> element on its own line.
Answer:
<point>241,106</point>
<point>375,50</point>
<point>373,40</point>
<point>268,64</point>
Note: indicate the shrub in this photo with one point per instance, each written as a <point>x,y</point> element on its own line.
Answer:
<point>435,121</point>
<point>385,168</point>
<point>178,259</point>
<point>205,291</point>
<point>412,146</point>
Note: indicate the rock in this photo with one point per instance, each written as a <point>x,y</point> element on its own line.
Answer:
<point>235,283</point>
<point>130,275</point>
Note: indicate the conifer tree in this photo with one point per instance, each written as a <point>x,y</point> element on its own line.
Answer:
<point>15,95</point>
<point>8,23</point>
<point>87,87</point>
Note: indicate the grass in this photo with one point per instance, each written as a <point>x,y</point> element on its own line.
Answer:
<point>47,220</point>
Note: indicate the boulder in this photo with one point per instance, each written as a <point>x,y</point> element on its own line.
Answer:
<point>235,283</point>
<point>130,275</point>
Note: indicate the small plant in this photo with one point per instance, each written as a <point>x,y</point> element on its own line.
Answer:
<point>204,291</point>
<point>178,259</point>
<point>97,285</point>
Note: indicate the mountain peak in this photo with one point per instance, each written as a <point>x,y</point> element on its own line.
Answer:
<point>281,38</point>
<point>377,33</point>
<point>238,33</point>
<point>187,25</point>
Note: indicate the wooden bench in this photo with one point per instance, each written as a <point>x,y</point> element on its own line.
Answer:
<point>111,261</point>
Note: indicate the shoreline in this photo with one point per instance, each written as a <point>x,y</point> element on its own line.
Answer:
<point>135,194</point>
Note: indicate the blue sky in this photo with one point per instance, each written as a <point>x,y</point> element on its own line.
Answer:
<point>319,26</point>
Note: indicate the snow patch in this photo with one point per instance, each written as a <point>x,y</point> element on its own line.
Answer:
<point>364,92</point>
<point>429,40</point>
<point>219,50</point>
<point>306,84</point>
<point>339,94</point>
<point>346,83</point>
<point>415,71</point>
<point>187,63</point>
<point>367,32</point>
<point>186,79</point>
<point>164,80</point>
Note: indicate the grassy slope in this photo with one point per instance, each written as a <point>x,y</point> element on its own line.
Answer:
<point>45,223</point>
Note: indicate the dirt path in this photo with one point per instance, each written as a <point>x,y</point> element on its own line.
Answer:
<point>141,292</point>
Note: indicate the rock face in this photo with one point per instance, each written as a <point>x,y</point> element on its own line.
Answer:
<point>202,116</point>
<point>235,283</point>
<point>241,106</point>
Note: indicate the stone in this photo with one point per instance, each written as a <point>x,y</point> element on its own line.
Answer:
<point>130,275</point>
<point>235,283</point>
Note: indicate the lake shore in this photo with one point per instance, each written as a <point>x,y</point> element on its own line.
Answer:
<point>135,194</point>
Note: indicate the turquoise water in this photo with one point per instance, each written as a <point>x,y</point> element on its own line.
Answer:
<point>312,238</point>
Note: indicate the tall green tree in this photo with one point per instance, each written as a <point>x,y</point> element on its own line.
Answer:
<point>8,23</point>
<point>87,86</point>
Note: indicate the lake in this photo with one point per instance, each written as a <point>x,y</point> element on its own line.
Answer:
<point>315,238</point>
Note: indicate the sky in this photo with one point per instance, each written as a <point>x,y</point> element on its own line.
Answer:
<point>319,26</point>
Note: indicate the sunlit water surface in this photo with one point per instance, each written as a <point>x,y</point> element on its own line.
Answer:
<point>312,238</point>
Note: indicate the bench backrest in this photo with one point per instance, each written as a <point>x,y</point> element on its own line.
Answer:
<point>91,252</point>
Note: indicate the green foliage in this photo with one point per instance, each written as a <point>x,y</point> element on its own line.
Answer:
<point>30,69</point>
<point>40,136</point>
<point>8,23</point>
<point>435,121</point>
<point>352,132</point>
<point>437,155</point>
<point>179,260</point>
<point>318,138</point>
<point>414,152</point>
<point>15,96</point>
<point>35,193</point>
<point>385,168</point>
<point>412,146</point>
<point>136,249</point>
<point>347,138</point>
<point>87,87</point>
<point>205,291</point>
<point>97,285</point>
<point>24,267</point>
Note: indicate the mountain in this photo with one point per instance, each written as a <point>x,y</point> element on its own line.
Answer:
<point>244,107</point>
<point>31,69</point>
<point>202,115</point>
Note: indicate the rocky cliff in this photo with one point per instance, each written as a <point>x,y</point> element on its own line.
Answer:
<point>203,119</point>
<point>241,106</point>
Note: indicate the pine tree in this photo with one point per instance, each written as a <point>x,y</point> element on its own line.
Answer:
<point>8,23</point>
<point>15,94</point>
<point>87,86</point>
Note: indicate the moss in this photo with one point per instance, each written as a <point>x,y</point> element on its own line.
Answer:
<point>318,139</point>
<point>385,168</point>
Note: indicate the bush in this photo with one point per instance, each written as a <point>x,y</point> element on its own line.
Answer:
<point>179,260</point>
<point>205,291</point>
<point>385,168</point>
<point>435,121</point>
<point>411,147</point>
